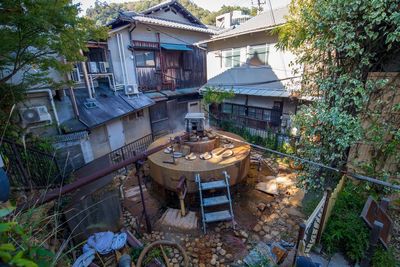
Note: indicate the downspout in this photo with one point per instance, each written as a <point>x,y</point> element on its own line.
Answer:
<point>53,106</point>
<point>131,29</point>
<point>85,75</point>
<point>161,58</point>
<point>120,57</point>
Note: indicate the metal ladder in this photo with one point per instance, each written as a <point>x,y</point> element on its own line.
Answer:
<point>216,216</point>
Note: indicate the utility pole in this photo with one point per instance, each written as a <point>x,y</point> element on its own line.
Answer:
<point>259,4</point>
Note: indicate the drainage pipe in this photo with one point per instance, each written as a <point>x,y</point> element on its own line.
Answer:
<point>348,173</point>
<point>55,193</point>
<point>53,106</point>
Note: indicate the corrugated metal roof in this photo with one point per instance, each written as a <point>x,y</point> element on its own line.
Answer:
<point>109,105</point>
<point>251,80</point>
<point>156,96</point>
<point>181,91</point>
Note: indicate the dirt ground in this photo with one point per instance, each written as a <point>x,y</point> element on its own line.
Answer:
<point>258,217</point>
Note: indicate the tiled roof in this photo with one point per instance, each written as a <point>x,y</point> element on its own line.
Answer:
<point>69,137</point>
<point>265,20</point>
<point>176,5</point>
<point>146,19</point>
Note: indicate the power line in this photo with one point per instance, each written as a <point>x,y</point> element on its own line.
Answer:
<point>320,165</point>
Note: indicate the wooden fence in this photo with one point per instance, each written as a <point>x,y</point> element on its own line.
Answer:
<point>311,230</point>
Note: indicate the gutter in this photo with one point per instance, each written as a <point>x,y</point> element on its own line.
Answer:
<point>217,38</point>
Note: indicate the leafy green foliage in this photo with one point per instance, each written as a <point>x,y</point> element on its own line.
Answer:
<point>16,249</point>
<point>338,42</point>
<point>213,95</point>
<point>384,257</point>
<point>36,36</point>
<point>347,232</point>
<point>103,13</point>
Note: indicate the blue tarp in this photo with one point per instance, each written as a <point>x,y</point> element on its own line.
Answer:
<point>180,47</point>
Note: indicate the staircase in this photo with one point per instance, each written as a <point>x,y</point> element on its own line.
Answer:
<point>207,202</point>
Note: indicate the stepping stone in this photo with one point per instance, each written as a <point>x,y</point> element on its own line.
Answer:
<point>172,219</point>
<point>270,187</point>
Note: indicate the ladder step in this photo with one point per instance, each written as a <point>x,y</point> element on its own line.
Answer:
<point>213,185</point>
<point>223,215</point>
<point>214,201</point>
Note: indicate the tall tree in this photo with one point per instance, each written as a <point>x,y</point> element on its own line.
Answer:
<point>103,13</point>
<point>37,36</point>
<point>339,42</point>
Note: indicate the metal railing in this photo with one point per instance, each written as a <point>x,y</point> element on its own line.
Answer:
<point>131,149</point>
<point>28,167</point>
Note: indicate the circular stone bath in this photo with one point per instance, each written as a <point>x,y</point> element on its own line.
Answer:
<point>167,175</point>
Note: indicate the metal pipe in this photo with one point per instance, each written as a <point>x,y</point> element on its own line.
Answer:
<point>53,106</point>
<point>348,173</point>
<point>86,77</point>
<point>55,193</point>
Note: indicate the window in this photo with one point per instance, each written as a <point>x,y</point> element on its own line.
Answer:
<point>238,110</point>
<point>252,112</point>
<point>266,115</point>
<point>227,108</point>
<point>140,114</point>
<point>145,59</point>
<point>231,58</point>
<point>259,53</point>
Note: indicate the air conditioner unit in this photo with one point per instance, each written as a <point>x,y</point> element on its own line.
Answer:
<point>92,67</point>
<point>35,115</point>
<point>75,75</point>
<point>103,66</point>
<point>131,89</point>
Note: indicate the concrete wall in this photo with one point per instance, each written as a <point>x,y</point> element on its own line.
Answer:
<point>278,60</point>
<point>98,139</point>
<point>136,127</point>
<point>41,128</point>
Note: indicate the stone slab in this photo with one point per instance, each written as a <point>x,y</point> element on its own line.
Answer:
<point>269,187</point>
<point>173,220</point>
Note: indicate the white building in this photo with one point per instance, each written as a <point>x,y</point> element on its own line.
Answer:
<point>245,60</point>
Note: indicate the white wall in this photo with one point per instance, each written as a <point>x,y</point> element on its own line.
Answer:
<point>278,60</point>
<point>121,57</point>
<point>136,127</point>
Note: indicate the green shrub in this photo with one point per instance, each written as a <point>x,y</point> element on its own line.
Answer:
<point>347,232</point>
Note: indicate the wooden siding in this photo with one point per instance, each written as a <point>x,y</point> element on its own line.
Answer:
<point>174,70</point>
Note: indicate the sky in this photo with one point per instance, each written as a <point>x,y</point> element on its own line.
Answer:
<point>212,5</point>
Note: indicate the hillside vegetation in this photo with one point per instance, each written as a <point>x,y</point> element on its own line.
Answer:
<point>103,12</point>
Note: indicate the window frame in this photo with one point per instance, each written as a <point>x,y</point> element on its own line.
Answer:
<point>231,56</point>
<point>145,65</point>
<point>250,54</point>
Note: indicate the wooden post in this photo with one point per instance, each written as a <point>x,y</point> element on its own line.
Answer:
<point>373,241</point>
<point>300,237</point>
<point>323,217</point>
